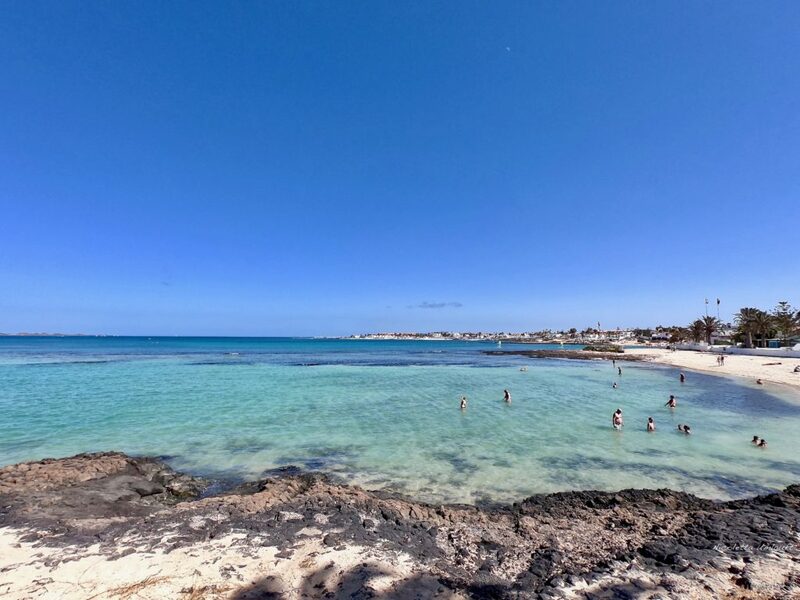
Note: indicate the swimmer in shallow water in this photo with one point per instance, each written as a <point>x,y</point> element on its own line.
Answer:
<point>759,382</point>
<point>682,377</point>
<point>463,402</point>
<point>755,440</point>
<point>672,402</point>
<point>762,443</point>
<point>507,396</point>
<point>614,385</point>
<point>616,419</point>
<point>651,425</point>
<point>684,429</point>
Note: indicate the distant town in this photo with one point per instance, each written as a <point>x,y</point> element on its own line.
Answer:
<point>571,336</point>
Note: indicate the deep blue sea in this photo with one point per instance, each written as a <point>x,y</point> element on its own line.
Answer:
<point>385,415</point>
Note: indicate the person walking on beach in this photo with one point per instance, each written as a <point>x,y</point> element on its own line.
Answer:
<point>722,360</point>
<point>682,377</point>
<point>651,425</point>
<point>463,402</point>
<point>616,419</point>
<point>672,402</point>
<point>507,396</point>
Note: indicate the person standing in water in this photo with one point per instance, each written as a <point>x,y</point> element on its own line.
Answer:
<point>651,425</point>
<point>682,377</point>
<point>616,419</point>
<point>507,396</point>
<point>463,402</point>
<point>619,370</point>
<point>672,402</point>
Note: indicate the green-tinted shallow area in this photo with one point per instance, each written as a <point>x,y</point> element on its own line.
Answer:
<point>386,415</point>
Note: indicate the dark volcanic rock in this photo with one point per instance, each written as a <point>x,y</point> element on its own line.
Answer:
<point>569,354</point>
<point>620,544</point>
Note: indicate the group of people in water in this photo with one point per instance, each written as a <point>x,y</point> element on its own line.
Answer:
<point>617,421</point>
<point>506,398</point>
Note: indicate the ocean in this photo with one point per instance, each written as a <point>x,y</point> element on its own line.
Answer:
<point>385,415</point>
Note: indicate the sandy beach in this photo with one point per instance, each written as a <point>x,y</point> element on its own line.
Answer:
<point>749,368</point>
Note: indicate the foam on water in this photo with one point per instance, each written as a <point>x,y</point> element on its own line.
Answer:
<point>385,415</point>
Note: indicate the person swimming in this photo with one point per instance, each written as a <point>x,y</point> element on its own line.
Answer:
<point>507,396</point>
<point>684,428</point>
<point>463,402</point>
<point>616,419</point>
<point>762,443</point>
<point>682,377</point>
<point>614,385</point>
<point>524,369</point>
<point>755,440</point>
<point>651,425</point>
<point>672,402</point>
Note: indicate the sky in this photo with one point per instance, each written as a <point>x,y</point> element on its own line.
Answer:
<point>327,168</point>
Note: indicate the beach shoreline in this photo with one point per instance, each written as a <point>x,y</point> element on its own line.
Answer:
<point>109,525</point>
<point>740,367</point>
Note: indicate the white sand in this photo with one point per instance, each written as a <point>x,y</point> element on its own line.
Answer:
<point>748,367</point>
<point>220,568</point>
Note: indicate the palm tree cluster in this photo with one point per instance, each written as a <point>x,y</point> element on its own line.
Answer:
<point>704,328</point>
<point>756,324</point>
<point>754,327</point>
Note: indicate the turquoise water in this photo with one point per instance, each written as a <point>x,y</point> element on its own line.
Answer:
<point>384,414</point>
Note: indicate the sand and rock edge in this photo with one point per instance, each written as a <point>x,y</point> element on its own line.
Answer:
<point>107,525</point>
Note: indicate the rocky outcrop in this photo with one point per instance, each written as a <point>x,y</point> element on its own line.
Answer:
<point>570,354</point>
<point>629,544</point>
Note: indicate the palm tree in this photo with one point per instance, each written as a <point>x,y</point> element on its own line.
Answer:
<point>710,327</point>
<point>745,320</point>
<point>697,329</point>
<point>763,325</point>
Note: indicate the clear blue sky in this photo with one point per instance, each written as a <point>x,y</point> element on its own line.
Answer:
<point>270,168</point>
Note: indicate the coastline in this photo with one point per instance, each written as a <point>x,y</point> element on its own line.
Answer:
<point>111,526</point>
<point>738,366</point>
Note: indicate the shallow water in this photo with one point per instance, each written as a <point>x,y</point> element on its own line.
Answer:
<point>385,414</point>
